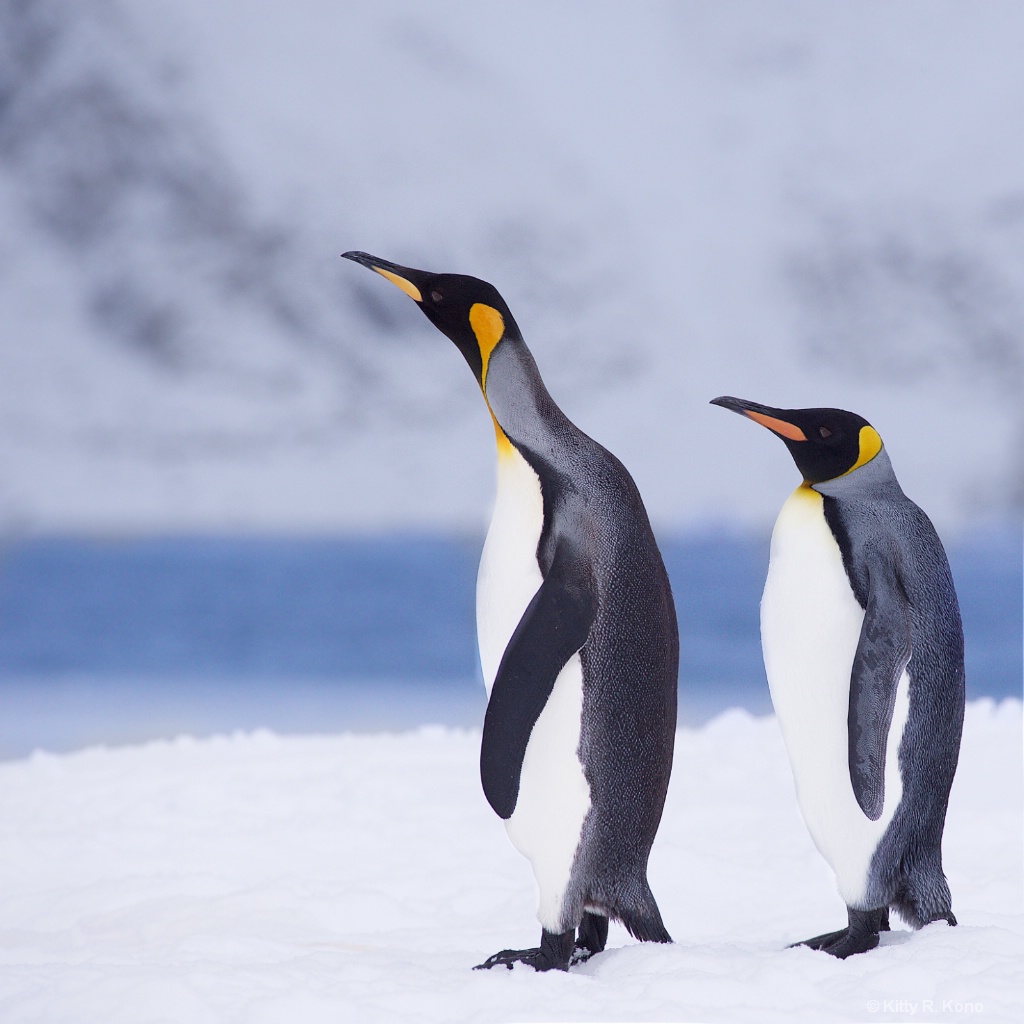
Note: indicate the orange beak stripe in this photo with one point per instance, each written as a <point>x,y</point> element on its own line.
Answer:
<point>780,427</point>
<point>407,286</point>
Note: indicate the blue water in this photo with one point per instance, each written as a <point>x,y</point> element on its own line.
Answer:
<point>118,640</point>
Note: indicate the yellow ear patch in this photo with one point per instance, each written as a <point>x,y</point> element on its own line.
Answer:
<point>407,286</point>
<point>489,327</point>
<point>870,446</point>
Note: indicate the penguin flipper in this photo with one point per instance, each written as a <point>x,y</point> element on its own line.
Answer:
<point>553,628</point>
<point>883,651</point>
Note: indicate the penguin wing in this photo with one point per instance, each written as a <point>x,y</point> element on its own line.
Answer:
<point>553,628</point>
<point>883,651</point>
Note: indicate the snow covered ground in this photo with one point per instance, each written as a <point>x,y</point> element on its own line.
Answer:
<point>261,878</point>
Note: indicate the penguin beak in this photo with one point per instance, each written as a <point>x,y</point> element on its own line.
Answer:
<point>773,419</point>
<point>402,277</point>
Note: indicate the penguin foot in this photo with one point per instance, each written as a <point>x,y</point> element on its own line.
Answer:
<point>821,941</point>
<point>845,943</point>
<point>553,954</point>
<point>858,937</point>
<point>592,937</point>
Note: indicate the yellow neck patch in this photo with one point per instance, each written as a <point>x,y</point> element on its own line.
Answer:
<point>870,446</point>
<point>407,286</point>
<point>489,327</point>
<point>505,446</point>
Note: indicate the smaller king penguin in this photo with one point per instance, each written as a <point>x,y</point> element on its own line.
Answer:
<point>864,653</point>
<point>578,642</point>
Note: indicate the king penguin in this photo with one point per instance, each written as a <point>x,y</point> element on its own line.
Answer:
<point>578,642</point>
<point>864,653</point>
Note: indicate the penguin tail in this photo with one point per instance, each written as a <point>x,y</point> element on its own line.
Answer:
<point>640,915</point>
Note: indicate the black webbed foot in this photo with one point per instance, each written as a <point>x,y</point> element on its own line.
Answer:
<point>552,954</point>
<point>858,937</point>
<point>851,942</point>
<point>821,941</point>
<point>592,938</point>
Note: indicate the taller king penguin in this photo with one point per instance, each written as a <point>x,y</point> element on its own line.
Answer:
<point>864,653</point>
<point>578,642</point>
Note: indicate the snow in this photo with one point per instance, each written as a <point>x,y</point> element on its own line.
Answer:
<point>264,878</point>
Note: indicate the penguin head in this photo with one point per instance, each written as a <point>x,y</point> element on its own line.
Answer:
<point>825,443</point>
<point>467,310</point>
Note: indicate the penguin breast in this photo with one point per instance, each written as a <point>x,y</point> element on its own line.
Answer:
<point>554,795</point>
<point>810,627</point>
<point>509,574</point>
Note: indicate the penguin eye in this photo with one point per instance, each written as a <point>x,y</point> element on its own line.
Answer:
<point>824,431</point>
<point>436,295</point>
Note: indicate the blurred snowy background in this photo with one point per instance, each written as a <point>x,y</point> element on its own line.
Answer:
<point>243,483</point>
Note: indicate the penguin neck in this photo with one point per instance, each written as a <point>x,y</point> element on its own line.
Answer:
<point>874,479</point>
<point>505,446</point>
<point>524,413</point>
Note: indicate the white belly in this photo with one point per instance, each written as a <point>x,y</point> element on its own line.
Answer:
<point>509,575</point>
<point>810,625</point>
<point>554,796</point>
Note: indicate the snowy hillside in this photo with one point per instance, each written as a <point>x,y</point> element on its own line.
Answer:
<point>358,878</point>
<point>800,203</point>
